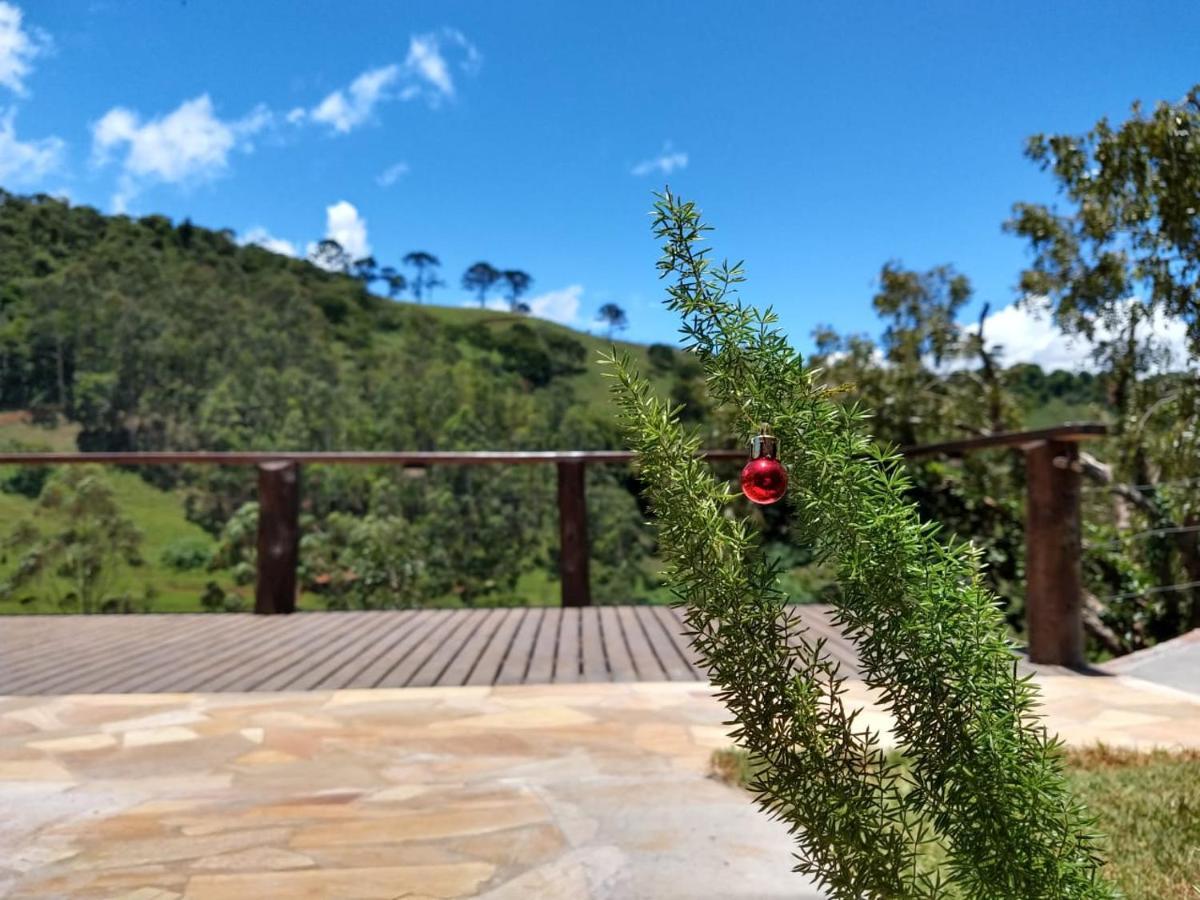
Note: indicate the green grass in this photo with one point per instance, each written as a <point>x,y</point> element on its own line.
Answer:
<point>16,426</point>
<point>1146,804</point>
<point>160,516</point>
<point>1057,411</point>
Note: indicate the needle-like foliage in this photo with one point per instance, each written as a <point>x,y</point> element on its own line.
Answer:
<point>981,810</point>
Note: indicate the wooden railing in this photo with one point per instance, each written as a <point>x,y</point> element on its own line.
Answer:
<point>1053,589</point>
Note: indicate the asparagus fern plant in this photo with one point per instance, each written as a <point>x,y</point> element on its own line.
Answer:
<point>979,808</point>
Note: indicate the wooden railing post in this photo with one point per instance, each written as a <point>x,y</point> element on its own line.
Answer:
<point>573,536</point>
<point>1053,576</point>
<point>278,537</point>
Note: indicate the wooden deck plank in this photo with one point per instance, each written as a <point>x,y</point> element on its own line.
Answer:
<point>257,639</point>
<point>520,653</point>
<point>392,626</point>
<point>669,656</point>
<point>374,669</point>
<point>159,667</point>
<point>487,667</point>
<point>324,646</point>
<point>646,665</point>
<point>445,624</point>
<point>671,622</point>
<point>43,638</point>
<point>616,650</point>
<point>540,668</point>
<point>591,646</point>
<point>244,670</point>
<point>568,664</point>
<point>90,672</point>
<point>78,640</point>
<point>364,643</point>
<point>463,663</point>
<point>386,648</point>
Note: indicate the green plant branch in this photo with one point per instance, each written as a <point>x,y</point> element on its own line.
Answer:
<point>986,779</point>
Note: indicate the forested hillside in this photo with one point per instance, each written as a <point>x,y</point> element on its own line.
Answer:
<point>144,334</point>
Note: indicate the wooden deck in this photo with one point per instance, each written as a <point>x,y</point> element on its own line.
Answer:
<point>322,651</point>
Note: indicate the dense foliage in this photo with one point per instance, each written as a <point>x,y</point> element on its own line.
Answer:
<point>985,781</point>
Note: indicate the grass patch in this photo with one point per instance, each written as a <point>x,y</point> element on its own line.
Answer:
<point>1147,804</point>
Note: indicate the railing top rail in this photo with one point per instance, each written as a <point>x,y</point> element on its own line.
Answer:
<point>1078,431</point>
<point>1075,432</point>
<point>340,457</point>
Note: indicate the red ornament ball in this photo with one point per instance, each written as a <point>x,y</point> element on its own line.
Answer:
<point>764,480</point>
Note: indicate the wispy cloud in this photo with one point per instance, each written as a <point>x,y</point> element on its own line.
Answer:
<point>188,145</point>
<point>428,71</point>
<point>260,237</point>
<point>664,164</point>
<point>560,306</point>
<point>434,57</point>
<point>22,162</point>
<point>26,162</point>
<point>18,48</point>
<point>1027,333</point>
<point>345,110</point>
<point>392,174</point>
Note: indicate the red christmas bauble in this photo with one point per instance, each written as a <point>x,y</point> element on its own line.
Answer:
<point>764,480</point>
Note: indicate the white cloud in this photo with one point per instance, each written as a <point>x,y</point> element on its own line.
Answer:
<point>18,47</point>
<point>1027,333</point>
<point>25,162</point>
<point>496,304</point>
<point>344,225</point>
<point>425,60</point>
<point>392,174</point>
<point>344,111</point>
<point>260,237</point>
<point>189,144</point>
<point>428,62</point>
<point>665,163</point>
<point>427,71</point>
<point>560,306</point>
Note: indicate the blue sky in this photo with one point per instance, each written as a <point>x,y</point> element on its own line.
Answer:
<point>821,141</point>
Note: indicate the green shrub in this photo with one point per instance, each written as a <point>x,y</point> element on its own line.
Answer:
<point>984,810</point>
<point>187,553</point>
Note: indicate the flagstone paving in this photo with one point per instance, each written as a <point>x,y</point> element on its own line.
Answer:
<point>556,791</point>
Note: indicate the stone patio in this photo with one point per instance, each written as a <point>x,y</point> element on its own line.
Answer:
<point>557,791</point>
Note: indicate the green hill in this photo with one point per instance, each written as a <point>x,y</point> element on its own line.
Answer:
<point>143,334</point>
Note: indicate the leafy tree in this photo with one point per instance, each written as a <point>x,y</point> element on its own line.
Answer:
<point>366,270</point>
<point>1124,253</point>
<point>516,284</point>
<point>426,280</point>
<point>613,317</point>
<point>480,277</point>
<point>77,547</point>
<point>536,354</point>
<point>395,281</point>
<point>985,784</point>
<point>237,548</point>
<point>372,562</point>
<point>330,256</point>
